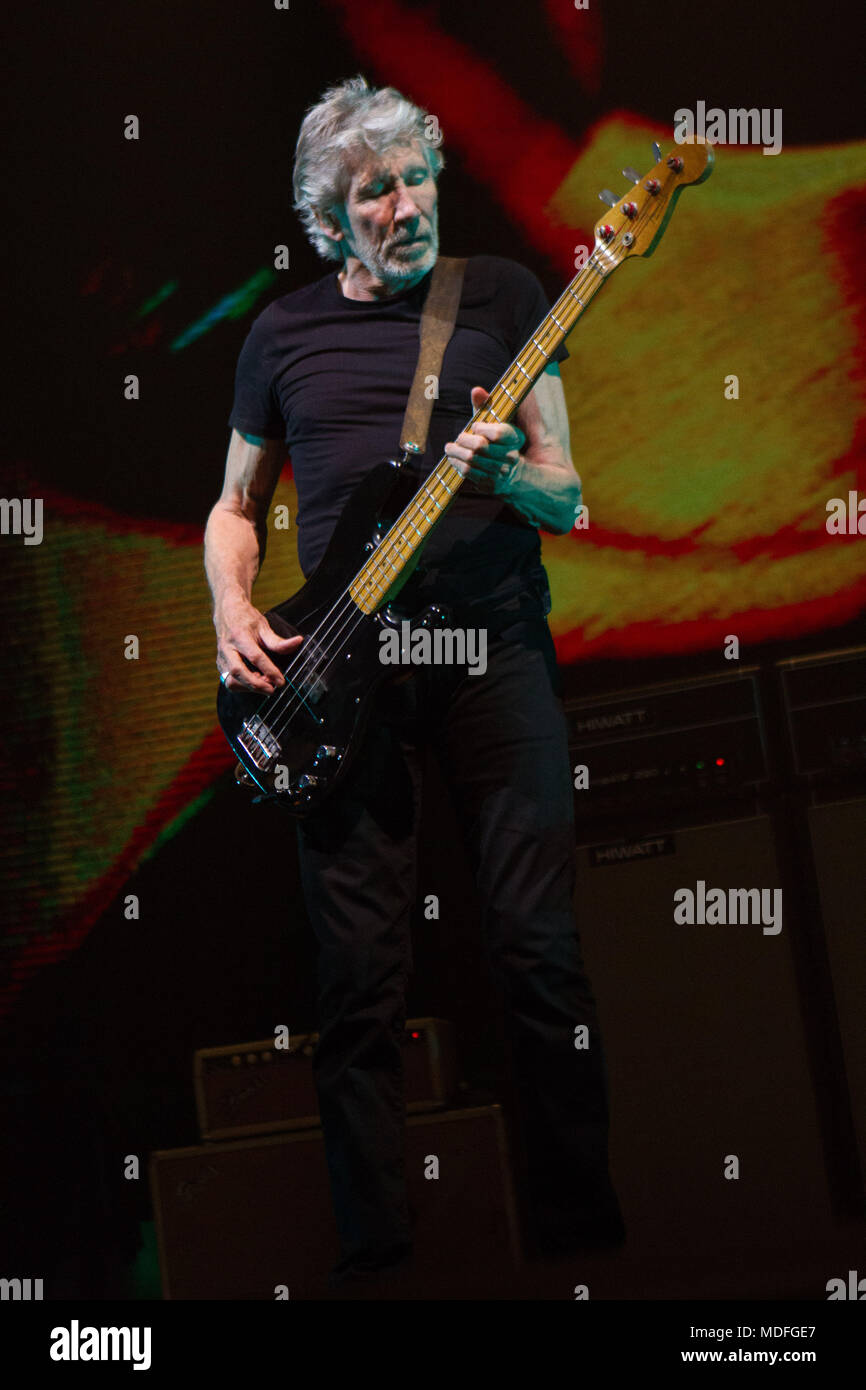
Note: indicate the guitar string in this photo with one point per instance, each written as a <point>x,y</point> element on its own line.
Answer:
<point>349,610</point>
<point>296,699</point>
<point>306,663</point>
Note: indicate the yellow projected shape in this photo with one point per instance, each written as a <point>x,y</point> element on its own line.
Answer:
<point>745,283</point>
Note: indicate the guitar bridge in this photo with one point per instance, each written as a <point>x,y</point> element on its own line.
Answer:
<point>257,740</point>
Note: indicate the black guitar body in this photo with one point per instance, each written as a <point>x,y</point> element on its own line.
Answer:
<point>297,744</point>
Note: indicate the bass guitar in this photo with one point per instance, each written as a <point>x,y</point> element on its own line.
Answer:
<point>295,745</point>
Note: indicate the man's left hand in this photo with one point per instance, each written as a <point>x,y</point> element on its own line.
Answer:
<point>488,455</point>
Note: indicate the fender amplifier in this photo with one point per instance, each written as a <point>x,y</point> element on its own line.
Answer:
<point>259,1088</point>
<point>248,1219</point>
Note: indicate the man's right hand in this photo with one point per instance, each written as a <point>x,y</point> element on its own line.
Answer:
<point>244,635</point>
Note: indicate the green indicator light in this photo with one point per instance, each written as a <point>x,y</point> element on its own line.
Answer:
<point>700,766</point>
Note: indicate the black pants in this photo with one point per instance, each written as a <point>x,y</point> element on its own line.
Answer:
<point>501,741</point>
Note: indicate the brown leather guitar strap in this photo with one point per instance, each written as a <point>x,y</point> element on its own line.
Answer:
<point>436,327</point>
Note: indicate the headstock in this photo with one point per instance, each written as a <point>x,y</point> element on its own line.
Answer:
<point>636,221</point>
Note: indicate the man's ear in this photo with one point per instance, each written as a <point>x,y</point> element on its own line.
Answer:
<point>330,226</point>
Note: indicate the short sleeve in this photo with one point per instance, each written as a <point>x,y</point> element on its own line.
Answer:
<point>255,410</point>
<point>531,305</point>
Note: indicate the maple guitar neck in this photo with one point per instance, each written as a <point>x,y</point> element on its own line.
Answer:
<point>634,227</point>
<point>411,529</point>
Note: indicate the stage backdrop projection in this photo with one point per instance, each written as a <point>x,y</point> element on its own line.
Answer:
<point>715,394</point>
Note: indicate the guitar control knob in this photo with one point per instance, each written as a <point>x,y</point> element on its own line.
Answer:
<point>327,750</point>
<point>630,209</point>
<point>305,783</point>
<point>675,162</point>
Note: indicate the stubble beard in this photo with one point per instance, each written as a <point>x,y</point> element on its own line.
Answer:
<point>394,268</point>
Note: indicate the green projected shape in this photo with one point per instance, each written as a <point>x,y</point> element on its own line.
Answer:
<point>155,300</point>
<point>231,306</point>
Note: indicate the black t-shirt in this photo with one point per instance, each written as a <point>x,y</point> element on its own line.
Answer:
<point>331,376</point>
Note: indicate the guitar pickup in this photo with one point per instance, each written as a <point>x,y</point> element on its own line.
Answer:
<point>308,681</point>
<point>257,740</point>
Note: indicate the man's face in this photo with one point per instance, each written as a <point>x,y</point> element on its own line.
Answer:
<point>389,219</point>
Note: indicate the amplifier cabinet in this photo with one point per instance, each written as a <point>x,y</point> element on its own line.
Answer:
<point>838,835</point>
<point>258,1088</point>
<point>824,698</point>
<point>687,742</point>
<point>240,1220</point>
<point>704,1040</point>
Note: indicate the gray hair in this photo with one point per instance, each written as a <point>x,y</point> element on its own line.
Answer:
<point>350,119</point>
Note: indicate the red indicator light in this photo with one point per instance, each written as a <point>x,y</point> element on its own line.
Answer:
<point>720,762</point>
<point>416,1035</point>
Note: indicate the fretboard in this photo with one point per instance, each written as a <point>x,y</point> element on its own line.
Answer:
<point>405,537</point>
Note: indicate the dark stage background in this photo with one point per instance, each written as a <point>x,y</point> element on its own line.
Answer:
<point>151,257</point>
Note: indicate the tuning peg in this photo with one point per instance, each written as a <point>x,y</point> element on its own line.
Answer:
<point>607,197</point>
<point>657,151</point>
<point>632,174</point>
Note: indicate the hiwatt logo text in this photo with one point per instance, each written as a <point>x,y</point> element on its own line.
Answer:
<point>625,850</point>
<point>20,1290</point>
<point>74,1343</point>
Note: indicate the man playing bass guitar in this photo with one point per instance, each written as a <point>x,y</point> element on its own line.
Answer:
<point>325,372</point>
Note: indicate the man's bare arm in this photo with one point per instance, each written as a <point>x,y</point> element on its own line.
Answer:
<point>545,485</point>
<point>235,541</point>
<point>531,464</point>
